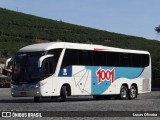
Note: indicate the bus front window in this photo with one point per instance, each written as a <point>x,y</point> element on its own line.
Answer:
<point>25,68</point>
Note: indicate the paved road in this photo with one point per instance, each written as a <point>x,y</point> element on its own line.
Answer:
<point>144,102</point>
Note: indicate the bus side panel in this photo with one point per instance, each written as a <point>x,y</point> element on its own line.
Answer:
<point>96,80</point>
<point>47,86</point>
<point>145,82</point>
<point>82,80</point>
<point>108,80</point>
<point>78,77</point>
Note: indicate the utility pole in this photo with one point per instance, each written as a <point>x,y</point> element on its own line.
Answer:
<point>17,9</point>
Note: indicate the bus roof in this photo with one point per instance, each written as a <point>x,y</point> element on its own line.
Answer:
<point>54,45</point>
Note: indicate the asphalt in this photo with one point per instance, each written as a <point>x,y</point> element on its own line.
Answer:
<point>149,102</point>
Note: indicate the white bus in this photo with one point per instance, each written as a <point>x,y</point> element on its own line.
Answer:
<point>61,69</point>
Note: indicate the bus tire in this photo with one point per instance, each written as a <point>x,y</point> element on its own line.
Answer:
<point>124,93</point>
<point>63,94</point>
<point>36,99</point>
<point>132,93</point>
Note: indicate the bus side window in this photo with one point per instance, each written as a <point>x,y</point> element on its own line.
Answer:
<point>99,58</point>
<point>56,53</point>
<point>70,58</point>
<point>136,60</point>
<point>145,60</point>
<point>113,59</point>
<point>125,59</point>
<point>85,57</point>
<point>48,67</point>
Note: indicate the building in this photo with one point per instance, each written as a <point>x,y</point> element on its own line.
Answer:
<point>1,67</point>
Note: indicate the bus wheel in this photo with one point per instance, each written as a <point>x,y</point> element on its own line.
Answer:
<point>132,93</point>
<point>36,99</point>
<point>63,94</point>
<point>124,93</point>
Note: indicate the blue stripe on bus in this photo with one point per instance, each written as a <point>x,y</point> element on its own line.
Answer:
<point>119,72</point>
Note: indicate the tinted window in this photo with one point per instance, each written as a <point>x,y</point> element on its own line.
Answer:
<point>70,58</point>
<point>125,59</point>
<point>48,67</point>
<point>25,68</point>
<point>99,58</point>
<point>85,57</point>
<point>56,53</point>
<point>136,60</point>
<point>112,59</point>
<point>145,60</point>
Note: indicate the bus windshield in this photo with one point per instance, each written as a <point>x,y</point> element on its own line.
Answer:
<point>25,68</point>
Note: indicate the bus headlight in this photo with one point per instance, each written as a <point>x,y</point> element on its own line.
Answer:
<point>37,85</point>
<point>12,86</point>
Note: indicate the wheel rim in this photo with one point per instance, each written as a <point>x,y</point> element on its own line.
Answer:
<point>133,93</point>
<point>124,93</point>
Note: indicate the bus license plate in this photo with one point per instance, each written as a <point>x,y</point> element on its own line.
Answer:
<point>23,93</point>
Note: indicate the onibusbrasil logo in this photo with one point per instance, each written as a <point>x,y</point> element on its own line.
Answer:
<point>21,114</point>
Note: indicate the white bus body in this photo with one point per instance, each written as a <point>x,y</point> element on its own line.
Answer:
<point>61,69</point>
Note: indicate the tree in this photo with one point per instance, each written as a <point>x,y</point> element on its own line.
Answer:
<point>157,29</point>
<point>4,53</point>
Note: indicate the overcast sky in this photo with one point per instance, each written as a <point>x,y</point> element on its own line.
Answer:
<point>131,17</point>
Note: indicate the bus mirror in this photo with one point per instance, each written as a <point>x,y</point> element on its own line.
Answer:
<point>42,58</point>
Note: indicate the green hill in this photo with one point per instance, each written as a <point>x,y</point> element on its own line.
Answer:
<point>18,30</point>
